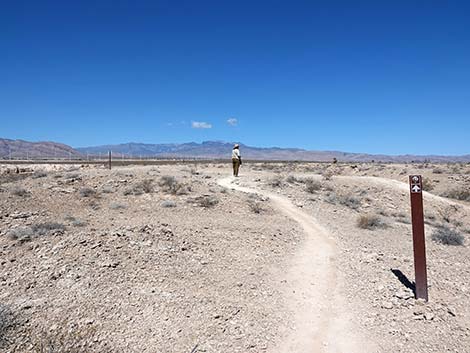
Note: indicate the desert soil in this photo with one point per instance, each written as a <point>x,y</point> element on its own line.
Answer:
<point>186,258</point>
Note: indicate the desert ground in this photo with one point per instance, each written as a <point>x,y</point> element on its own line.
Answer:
<point>289,257</point>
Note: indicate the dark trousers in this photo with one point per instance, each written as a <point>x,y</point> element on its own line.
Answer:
<point>236,166</point>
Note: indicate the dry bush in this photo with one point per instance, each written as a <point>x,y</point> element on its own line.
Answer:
<point>22,234</point>
<point>79,223</point>
<point>107,189</point>
<point>7,322</point>
<point>75,176</point>
<point>117,206</point>
<point>370,222</point>
<point>438,171</point>
<point>19,191</point>
<point>87,192</point>
<point>142,187</point>
<point>172,186</point>
<point>344,199</point>
<point>329,173</point>
<point>207,201</point>
<point>75,221</point>
<point>39,174</point>
<point>168,204</point>
<point>25,234</point>
<point>462,194</point>
<point>147,186</point>
<point>291,179</point>
<point>402,218</point>
<point>276,182</point>
<point>447,236</point>
<point>255,207</point>
<point>428,184</point>
<point>312,186</point>
<point>47,228</point>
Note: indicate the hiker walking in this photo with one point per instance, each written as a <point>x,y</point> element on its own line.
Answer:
<point>236,159</point>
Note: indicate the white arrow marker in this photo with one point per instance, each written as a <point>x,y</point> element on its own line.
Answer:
<point>416,188</point>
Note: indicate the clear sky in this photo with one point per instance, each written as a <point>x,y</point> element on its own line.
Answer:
<point>358,76</point>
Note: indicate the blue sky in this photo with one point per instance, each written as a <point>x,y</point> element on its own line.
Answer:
<point>359,76</point>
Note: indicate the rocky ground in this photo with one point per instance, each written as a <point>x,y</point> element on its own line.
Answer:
<point>164,259</point>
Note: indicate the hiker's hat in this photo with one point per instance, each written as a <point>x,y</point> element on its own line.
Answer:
<point>236,145</point>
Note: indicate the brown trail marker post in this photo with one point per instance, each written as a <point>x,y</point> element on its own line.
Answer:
<point>109,157</point>
<point>419,247</point>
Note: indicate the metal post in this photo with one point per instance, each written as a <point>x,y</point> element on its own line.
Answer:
<point>419,247</point>
<point>109,159</point>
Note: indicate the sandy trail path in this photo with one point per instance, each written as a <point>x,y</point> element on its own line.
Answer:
<point>321,323</point>
<point>391,184</point>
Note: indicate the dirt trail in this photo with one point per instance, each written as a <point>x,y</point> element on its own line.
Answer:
<point>321,322</point>
<point>394,185</point>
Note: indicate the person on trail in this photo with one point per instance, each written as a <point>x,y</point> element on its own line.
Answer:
<point>236,159</point>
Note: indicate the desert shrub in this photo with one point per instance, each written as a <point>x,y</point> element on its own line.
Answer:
<point>107,189</point>
<point>428,185</point>
<point>462,194</point>
<point>39,174</point>
<point>26,234</point>
<point>47,228</point>
<point>369,221</point>
<point>208,201</point>
<point>72,176</point>
<point>447,236</point>
<point>74,221</point>
<point>147,185</point>
<point>117,206</point>
<point>87,192</point>
<point>312,186</point>
<point>328,174</point>
<point>170,185</point>
<point>168,204</point>
<point>402,218</point>
<point>6,324</point>
<point>19,191</point>
<point>255,207</point>
<point>449,214</point>
<point>438,171</point>
<point>79,223</point>
<point>344,199</point>
<point>291,179</point>
<point>142,187</point>
<point>275,182</point>
<point>22,234</point>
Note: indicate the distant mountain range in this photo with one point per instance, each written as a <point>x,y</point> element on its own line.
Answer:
<point>204,150</point>
<point>24,149</point>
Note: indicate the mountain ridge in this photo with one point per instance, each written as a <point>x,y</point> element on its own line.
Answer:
<point>204,150</point>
